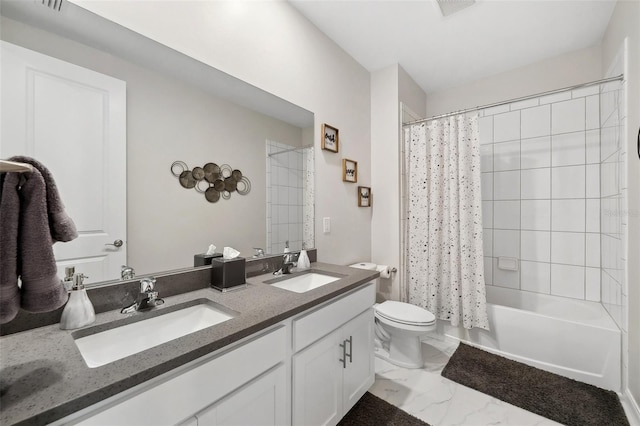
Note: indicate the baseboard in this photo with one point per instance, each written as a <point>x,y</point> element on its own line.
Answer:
<point>631,408</point>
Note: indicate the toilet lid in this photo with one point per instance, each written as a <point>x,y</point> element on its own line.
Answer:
<point>404,313</point>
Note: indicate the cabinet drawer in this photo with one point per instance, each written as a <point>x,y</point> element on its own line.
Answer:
<point>180,396</point>
<point>326,318</point>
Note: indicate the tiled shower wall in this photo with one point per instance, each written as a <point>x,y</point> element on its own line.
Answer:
<point>285,197</point>
<point>541,193</point>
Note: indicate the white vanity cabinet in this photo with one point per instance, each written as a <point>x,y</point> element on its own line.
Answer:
<point>207,391</point>
<point>336,366</point>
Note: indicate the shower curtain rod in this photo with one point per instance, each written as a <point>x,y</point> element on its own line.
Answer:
<point>523,98</point>
<point>290,149</point>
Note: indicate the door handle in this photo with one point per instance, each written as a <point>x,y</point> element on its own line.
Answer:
<point>350,340</point>
<point>116,243</point>
<point>343,345</point>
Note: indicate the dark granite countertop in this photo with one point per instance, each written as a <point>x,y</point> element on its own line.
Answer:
<point>44,378</point>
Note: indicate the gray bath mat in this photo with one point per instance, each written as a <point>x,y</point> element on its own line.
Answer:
<point>371,410</point>
<point>555,397</point>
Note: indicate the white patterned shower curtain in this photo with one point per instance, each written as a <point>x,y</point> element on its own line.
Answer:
<point>443,231</point>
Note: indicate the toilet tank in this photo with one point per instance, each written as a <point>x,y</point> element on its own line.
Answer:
<point>365,265</point>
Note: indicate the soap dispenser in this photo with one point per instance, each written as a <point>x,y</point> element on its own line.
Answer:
<point>78,311</point>
<point>303,261</point>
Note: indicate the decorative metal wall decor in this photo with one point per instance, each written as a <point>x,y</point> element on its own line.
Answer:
<point>212,180</point>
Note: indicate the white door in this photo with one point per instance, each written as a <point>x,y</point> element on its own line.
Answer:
<point>73,120</point>
<point>360,372</point>
<point>259,403</point>
<point>317,382</point>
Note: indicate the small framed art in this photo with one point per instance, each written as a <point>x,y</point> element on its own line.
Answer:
<point>329,138</point>
<point>349,170</point>
<point>364,196</point>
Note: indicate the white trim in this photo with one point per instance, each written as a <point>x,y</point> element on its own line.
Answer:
<point>631,408</point>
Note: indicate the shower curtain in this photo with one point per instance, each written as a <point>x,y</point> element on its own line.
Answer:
<point>443,232</point>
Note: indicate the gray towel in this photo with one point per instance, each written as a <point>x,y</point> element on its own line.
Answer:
<point>32,218</point>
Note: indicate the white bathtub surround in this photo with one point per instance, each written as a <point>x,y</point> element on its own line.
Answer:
<point>572,338</point>
<point>439,401</point>
<point>444,232</point>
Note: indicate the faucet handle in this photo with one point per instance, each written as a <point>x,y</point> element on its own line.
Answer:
<point>147,284</point>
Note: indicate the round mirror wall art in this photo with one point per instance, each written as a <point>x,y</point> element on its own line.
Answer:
<point>213,181</point>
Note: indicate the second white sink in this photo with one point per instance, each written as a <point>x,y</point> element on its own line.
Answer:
<point>119,342</point>
<point>305,282</point>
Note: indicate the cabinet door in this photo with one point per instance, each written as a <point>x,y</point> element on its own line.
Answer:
<point>260,402</point>
<point>359,374</point>
<point>317,382</point>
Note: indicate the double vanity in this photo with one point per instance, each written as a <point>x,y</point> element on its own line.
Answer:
<point>296,349</point>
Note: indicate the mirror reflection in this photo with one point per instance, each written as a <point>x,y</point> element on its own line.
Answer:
<point>110,135</point>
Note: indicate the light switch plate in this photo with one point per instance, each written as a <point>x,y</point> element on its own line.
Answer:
<point>326,225</point>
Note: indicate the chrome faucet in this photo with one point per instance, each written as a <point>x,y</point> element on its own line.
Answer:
<point>127,272</point>
<point>289,260</point>
<point>147,298</point>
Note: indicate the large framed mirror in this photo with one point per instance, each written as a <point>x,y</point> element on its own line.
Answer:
<point>177,109</point>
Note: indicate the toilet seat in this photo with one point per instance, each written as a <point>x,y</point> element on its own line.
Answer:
<point>404,313</point>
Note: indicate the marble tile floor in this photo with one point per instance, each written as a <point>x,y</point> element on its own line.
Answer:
<point>425,394</point>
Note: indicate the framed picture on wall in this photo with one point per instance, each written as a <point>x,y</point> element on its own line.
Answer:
<point>364,196</point>
<point>329,138</point>
<point>349,170</point>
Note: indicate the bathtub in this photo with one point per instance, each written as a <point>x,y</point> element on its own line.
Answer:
<point>573,338</point>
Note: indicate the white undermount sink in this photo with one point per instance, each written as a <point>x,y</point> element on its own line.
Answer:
<point>304,282</point>
<point>119,342</point>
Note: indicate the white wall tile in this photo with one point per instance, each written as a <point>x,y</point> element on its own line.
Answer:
<point>486,158</point>
<point>593,216</point>
<point>535,183</point>
<point>506,127</point>
<point>568,248</point>
<point>527,103</point>
<point>593,181</point>
<point>609,175</point>
<point>496,110</point>
<point>487,242</point>
<point>506,214</point>
<point>535,276</point>
<point>592,145</point>
<point>486,181</point>
<point>568,149</point>
<point>586,91</point>
<point>487,214</point>
<point>535,215</point>
<point>506,156</point>
<point>593,112</point>
<point>506,243</point>
<point>567,281</point>
<point>568,116</point>
<point>535,152</point>
<point>608,142</point>
<point>502,278</point>
<point>568,215</point>
<point>485,130</point>
<point>593,250</point>
<point>535,246</point>
<point>506,185</point>
<point>592,284</point>
<point>536,122</point>
<point>556,97</point>
<point>568,182</point>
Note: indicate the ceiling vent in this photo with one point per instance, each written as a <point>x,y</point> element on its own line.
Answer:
<point>449,7</point>
<point>53,4</point>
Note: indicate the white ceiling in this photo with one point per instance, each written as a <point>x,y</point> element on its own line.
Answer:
<point>490,37</point>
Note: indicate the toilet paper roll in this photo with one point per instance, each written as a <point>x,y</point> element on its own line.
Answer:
<point>384,271</point>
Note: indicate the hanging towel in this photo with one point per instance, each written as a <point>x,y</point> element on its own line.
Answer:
<point>61,225</point>
<point>32,218</point>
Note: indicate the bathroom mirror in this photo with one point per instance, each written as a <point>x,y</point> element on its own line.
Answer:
<point>181,109</point>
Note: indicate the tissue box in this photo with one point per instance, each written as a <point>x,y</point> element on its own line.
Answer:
<point>228,274</point>
<point>203,259</point>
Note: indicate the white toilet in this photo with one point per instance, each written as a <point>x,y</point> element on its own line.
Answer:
<point>399,328</point>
